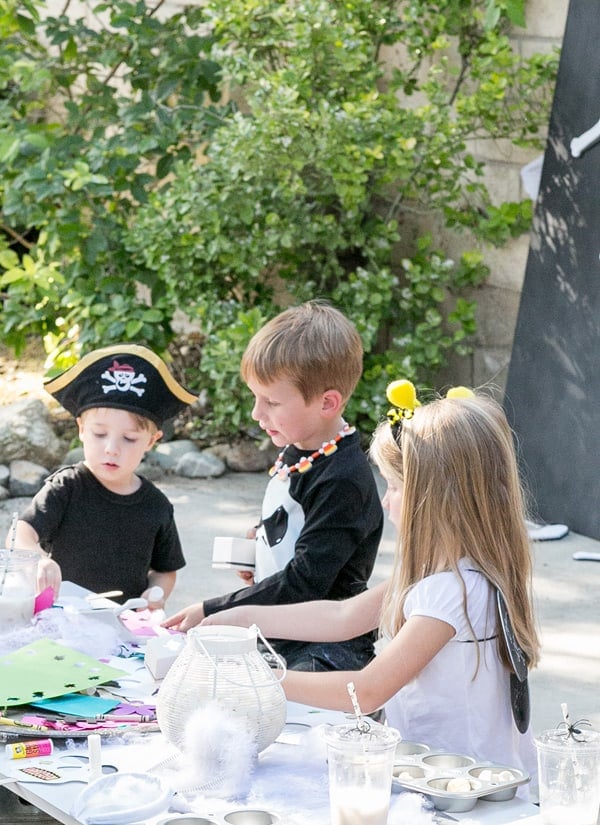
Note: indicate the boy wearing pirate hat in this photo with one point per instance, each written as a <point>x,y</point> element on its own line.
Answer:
<point>98,523</point>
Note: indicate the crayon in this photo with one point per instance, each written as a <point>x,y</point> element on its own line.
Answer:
<point>14,723</point>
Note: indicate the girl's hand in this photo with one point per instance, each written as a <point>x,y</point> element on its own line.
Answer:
<point>186,618</point>
<point>236,616</point>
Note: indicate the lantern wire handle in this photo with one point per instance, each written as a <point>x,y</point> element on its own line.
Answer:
<point>361,723</point>
<point>281,661</point>
<point>276,679</point>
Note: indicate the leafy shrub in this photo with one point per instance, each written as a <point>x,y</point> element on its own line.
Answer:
<point>311,185</point>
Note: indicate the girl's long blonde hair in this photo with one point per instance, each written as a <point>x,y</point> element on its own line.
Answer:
<point>462,498</point>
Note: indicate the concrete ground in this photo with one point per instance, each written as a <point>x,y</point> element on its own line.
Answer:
<point>566,591</point>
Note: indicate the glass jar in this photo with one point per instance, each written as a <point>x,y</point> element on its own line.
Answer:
<point>18,576</point>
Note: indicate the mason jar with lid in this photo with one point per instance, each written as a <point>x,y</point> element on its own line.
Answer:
<point>18,575</point>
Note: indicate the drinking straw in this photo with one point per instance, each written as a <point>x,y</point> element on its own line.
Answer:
<point>13,536</point>
<point>574,763</point>
<point>362,725</point>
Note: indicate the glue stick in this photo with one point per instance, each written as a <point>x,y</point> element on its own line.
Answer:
<point>94,744</point>
<point>21,750</point>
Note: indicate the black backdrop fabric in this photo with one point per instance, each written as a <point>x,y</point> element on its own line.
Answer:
<point>552,395</point>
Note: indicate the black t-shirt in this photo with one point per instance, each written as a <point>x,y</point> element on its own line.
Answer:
<point>102,540</point>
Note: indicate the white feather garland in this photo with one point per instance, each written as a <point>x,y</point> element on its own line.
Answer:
<point>79,631</point>
<point>219,753</point>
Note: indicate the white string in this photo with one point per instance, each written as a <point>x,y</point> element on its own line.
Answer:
<point>13,536</point>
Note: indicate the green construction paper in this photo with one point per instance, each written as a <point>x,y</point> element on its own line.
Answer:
<point>44,669</point>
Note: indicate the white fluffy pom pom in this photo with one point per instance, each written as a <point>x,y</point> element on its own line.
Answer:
<point>219,752</point>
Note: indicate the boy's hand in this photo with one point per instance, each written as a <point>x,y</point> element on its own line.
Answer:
<point>247,576</point>
<point>186,618</point>
<point>48,575</point>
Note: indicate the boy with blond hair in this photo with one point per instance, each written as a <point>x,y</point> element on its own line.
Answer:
<point>321,519</point>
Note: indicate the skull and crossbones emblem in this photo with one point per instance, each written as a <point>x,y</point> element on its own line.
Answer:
<point>122,378</point>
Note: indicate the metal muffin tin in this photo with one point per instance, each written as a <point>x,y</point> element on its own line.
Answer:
<point>238,817</point>
<point>419,768</point>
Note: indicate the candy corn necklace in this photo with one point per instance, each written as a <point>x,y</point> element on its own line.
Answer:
<point>304,464</point>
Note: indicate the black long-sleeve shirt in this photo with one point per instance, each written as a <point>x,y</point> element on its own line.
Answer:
<point>319,533</point>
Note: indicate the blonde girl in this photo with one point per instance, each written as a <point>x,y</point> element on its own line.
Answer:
<point>443,672</point>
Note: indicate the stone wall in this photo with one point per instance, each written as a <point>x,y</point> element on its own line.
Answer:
<point>498,299</point>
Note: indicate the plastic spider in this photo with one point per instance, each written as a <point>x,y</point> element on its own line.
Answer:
<point>574,731</point>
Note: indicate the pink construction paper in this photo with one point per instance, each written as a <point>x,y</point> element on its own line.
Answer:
<point>142,623</point>
<point>43,600</point>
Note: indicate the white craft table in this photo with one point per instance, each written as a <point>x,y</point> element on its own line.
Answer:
<point>289,780</point>
<point>281,770</point>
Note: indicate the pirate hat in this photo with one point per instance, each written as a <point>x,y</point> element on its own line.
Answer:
<point>125,377</point>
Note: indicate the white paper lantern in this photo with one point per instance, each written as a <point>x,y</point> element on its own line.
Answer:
<point>223,664</point>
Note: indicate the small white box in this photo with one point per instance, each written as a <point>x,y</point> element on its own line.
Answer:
<point>239,554</point>
<point>161,652</point>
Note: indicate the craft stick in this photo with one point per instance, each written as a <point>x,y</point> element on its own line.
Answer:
<point>109,594</point>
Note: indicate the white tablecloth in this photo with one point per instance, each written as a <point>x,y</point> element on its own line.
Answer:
<point>289,780</point>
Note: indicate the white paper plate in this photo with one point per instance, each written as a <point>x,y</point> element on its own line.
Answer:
<point>121,798</point>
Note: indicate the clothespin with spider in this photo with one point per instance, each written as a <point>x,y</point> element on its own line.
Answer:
<point>572,731</point>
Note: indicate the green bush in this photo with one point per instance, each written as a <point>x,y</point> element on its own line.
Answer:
<point>230,212</point>
<point>92,118</point>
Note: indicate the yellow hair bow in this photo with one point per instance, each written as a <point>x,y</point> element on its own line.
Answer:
<point>403,395</point>
<point>460,392</point>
